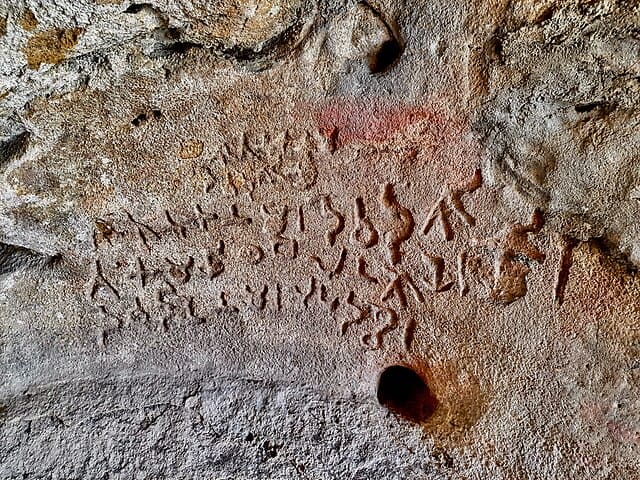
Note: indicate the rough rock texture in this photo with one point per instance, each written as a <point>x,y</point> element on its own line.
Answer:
<point>221,222</point>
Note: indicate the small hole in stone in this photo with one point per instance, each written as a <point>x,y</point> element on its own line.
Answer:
<point>157,113</point>
<point>386,56</point>
<point>405,393</point>
<point>136,122</point>
<point>271,450</point>
<point>182,47</point>
<point>137,7</point>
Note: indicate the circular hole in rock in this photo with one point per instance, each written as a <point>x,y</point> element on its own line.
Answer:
<point>388,53</point>
<point>405,393</point>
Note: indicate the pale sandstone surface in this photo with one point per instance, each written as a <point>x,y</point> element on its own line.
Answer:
<point>221,221</point>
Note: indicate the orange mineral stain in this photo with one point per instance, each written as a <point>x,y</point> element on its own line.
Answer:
<point>51,46</point>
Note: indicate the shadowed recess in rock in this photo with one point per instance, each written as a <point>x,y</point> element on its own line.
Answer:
<point>14,258</point>
<point>405,393</point>
<point>386,56</point>
<point>13,148</point>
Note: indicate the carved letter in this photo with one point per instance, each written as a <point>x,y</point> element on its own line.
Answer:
<point>403,231</point>
<point>364,233</point>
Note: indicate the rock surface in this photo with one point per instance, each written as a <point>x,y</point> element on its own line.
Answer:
<point>225,225</point>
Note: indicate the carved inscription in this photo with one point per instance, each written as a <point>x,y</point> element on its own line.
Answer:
<point>451,201</point>
<point>405,224</point>
<point>512,249</point>
<point>247,162</point>
<point>360,259</point>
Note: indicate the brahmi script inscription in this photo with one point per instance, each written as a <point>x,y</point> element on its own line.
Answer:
<point>370,262</point>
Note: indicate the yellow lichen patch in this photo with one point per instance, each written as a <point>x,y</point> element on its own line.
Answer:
<point>51,46</point>
<point>28,21</point>
<point>191,149</point>
<point>3,26</point>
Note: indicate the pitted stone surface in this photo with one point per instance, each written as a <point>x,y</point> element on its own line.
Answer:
<point>220,222</point>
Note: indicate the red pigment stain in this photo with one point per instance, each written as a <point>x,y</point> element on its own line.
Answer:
<point>427,134</point>
<point>595,413</point>
<point>344,121</point>
<point>623,433</point>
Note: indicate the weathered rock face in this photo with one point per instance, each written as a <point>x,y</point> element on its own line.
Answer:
<point>294,239</point>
